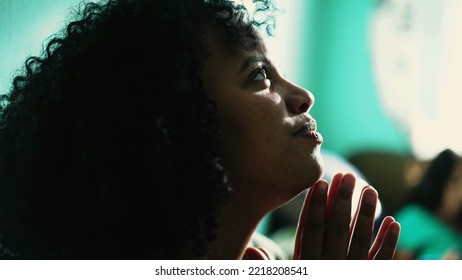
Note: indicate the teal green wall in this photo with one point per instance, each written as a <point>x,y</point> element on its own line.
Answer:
<point>337,69</point>
<point>24,25</point>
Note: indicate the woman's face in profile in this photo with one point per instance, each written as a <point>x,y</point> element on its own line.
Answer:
<point>267,136</point>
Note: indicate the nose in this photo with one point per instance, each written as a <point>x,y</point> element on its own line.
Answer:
<point>298,99</point>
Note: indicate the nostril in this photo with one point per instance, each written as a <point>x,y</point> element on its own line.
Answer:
<point>303,107</point>
<point>298,104</point>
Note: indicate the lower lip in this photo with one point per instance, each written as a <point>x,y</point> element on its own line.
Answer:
<point>313,135</point>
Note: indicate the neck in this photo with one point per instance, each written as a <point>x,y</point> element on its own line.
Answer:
<point>238,222</point>
<point>239,218</point>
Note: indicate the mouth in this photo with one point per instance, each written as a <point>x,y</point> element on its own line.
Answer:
<point>308,130</point>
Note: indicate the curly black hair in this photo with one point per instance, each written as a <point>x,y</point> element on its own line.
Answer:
<point>107,138</point>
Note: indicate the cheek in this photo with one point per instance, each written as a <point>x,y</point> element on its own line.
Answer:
<point>251,116</point>
<point>250,131</point>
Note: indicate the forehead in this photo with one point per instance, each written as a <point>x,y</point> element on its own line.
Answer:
<point>225,68</point>
<point>216,39</point>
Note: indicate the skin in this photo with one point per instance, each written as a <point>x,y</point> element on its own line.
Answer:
<point>259,112</point>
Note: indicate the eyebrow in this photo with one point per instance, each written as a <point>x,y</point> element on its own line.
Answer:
<point>252,59</point>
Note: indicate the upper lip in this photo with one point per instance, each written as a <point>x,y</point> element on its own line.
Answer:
<point>307,126</point>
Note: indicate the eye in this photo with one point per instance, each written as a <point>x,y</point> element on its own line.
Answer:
<point>260,74</point>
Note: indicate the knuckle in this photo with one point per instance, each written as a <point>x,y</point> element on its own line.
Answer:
<point>340,228</point>
<point>315,227</point>
<point>345,193</point>
<point>368,211</point>
<point>362,242</point>
<point>318,200</point>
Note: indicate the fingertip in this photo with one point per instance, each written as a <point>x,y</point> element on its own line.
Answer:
<point>336,180</point>
<point>321,182</point>
<point>388,219</point>
<point>395,227</point>
<point>252,253</point>
<point>322,186</point>
<point>393,231</point>
<point>370,195</point>
<point>266,253</point>
<point>392,234</point>
<point>349,179</point>
<point>369,187</point>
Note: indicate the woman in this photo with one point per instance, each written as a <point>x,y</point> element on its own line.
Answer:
<point>119,148</point>
<point>431,217</point>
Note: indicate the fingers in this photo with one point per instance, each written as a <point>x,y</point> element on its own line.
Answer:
<point>334,185</point>
<point>300,225</point>
<point>260,253</point>
<point>324,230</point>
<point>384,246</point>
<point>267,253</point>
<point>310,231</point>
<point>363,225</point>
<point>338,225</point>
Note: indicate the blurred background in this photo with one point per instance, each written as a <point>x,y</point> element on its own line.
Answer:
<point>385,75</point>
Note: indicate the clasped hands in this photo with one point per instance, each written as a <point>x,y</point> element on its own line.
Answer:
<point>326,229</point>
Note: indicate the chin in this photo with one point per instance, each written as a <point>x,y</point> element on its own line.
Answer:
<point>315,170</point>
<point>305,179</point>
